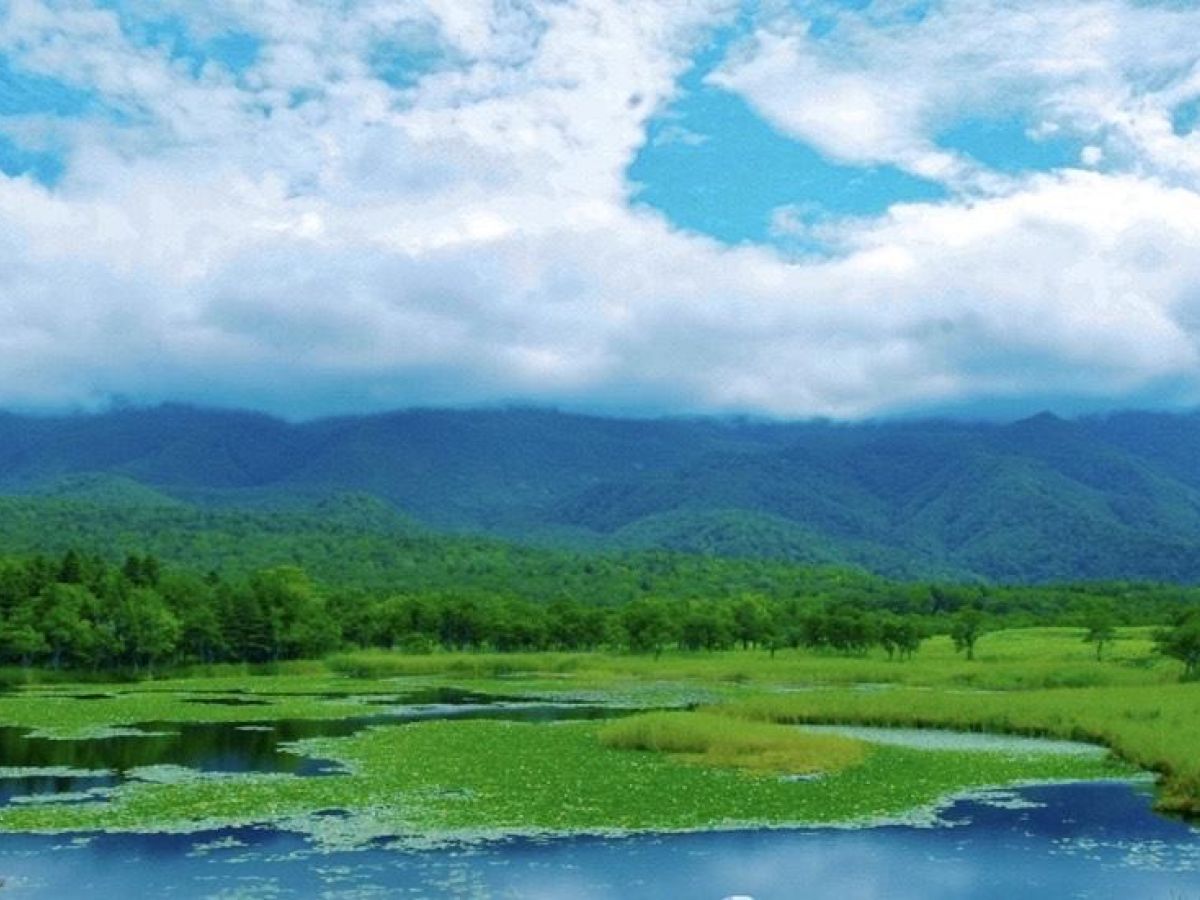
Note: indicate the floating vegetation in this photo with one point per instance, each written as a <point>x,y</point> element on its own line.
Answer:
<point>91,795</point>
<point>1001,799</point>
<point>100,733</point>
<point>53,772</point>
<point>1146,855</point>
<point>169,774</point>
<point>228,842</point>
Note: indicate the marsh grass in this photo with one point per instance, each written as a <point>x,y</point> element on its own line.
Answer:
<point>1155,727</point>
<point>715,740</point>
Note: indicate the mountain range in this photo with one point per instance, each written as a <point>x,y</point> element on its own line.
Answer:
<point>1040,499</point>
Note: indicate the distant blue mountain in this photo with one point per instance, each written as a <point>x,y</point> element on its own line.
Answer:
<point>1041,499</point>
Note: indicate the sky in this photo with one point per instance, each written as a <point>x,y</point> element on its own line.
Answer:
<point>790,208</point>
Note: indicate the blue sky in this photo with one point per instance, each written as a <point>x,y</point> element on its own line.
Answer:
<point>711,164</point>
<point>810,208</point>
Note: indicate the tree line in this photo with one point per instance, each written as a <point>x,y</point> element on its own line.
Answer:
<point>80,611</point>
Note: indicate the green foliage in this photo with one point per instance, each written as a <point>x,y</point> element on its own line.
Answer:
<point>900,636</point>
<point>966,631</point>
<point>1101,627</point>
<point>82,612</point>
<point>647,625</point>
<point>1182,642</point>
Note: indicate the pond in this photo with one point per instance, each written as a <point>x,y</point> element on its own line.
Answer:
<point>1087,840</point>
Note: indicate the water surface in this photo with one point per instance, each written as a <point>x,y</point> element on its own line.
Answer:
<point>1091,840</point>
<point>945,739</point>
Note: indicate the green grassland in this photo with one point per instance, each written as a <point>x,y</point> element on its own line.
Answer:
<point>1016,659</point>
<point>734,761</point>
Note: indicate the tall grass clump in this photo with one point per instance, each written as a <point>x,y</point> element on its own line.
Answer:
<point>715,740</point>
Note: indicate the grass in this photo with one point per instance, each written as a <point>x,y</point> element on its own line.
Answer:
<point>1016,659</point>
<point>714,740</point>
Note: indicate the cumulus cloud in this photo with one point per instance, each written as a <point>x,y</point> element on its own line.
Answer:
<point>306,235</point>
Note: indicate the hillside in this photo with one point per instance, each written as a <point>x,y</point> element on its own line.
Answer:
<point>1036,500</point>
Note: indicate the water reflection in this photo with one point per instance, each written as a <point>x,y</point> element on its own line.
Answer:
<point>1095,840</point>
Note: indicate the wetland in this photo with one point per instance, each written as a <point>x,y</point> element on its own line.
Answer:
<point>727,775</point>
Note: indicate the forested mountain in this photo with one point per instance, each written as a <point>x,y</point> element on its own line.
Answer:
<point>1035,500</point>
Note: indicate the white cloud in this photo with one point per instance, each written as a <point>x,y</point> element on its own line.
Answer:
<point>879,88</point>
<point>305,237</point>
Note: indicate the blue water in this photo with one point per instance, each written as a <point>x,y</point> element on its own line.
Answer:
<point>1064,841</point>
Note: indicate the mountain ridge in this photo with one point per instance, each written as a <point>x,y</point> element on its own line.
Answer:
<point>1040,499</point>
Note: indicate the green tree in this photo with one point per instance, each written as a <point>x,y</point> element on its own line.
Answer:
<point>968,628</point>
<point>462,623</point>
<point>1101,629</point>
<point>847,628</point>
<point>20,640</point>
<point>751,619</point>
<point>149,631</point>
<point>245,626</point>
<point>1182,642</point>
<point>70,570</point>
<point>192,600</point>
<point>63,618</point>
<point>298,623</point>
<point>899,636</point>
<point>141,571</point>
<point>704,626</point>
<point>647,624</point>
